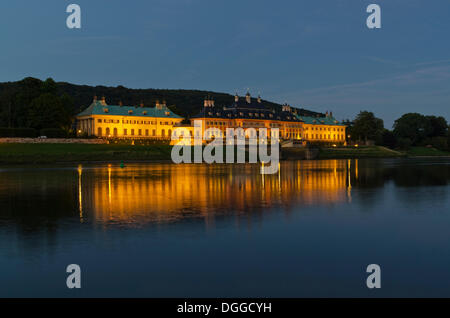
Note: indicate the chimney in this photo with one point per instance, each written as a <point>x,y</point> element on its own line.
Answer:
<point>259,99</point>
<point>120,103</point>
<point>103,101</point>
<point>286,108</point>
<point>205,102</point>
<point>157,104</point>
<point>248,98</point>
<point>142,104</point>
<point>236,98</point>
<point>95,98</point>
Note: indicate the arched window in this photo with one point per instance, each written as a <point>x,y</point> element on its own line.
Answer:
<point>169,133</point>
<point>107,132</point>
<point>115,132</point>
<point>99,131</point>
<point>163,133</point>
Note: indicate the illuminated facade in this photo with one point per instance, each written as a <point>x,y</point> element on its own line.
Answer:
<point>323,129</point>
<point>248,113</point>
<point>118,121</point>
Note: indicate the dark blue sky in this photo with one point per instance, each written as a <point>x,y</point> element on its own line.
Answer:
<point>314,54</point>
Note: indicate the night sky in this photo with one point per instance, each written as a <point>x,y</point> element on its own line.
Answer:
<point>313,54</point>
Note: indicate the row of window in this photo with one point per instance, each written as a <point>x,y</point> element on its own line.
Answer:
<point>240,133</point>
<point>132,132</point>
<point>218,123</point>
<point>140,122</point>
<point>254,124</point>
<point>146,133</point>
<point>320,128</point>
<point>325,137</point>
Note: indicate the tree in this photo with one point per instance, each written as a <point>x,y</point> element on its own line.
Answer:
<point>389,139</point>
<point>48,111</point>
<point>419,128</point>
<point>367,127</point>
<point>49,86</point>
<point>437,126</point>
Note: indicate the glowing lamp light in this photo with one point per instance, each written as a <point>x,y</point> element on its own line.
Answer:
<point>356,145</point>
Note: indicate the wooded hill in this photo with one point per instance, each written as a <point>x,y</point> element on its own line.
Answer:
<point>18,99</point>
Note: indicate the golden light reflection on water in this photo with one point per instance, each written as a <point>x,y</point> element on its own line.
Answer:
<point>80,193</point>
<point>169,192</point>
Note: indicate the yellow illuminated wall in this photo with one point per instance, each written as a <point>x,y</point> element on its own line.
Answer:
<point>127,126</point>
<point>287,130</point>
<point>324,133</point>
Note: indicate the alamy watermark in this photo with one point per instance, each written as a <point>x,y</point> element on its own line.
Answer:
<point>73,21</point>
<point>74,279</point>
<point>236,142</point>
<point>374,279</point>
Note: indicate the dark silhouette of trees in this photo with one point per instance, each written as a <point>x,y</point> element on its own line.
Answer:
<point>16,98</point>
<point>48,111</point>
<point>419,130</point>
<point>367,127</point>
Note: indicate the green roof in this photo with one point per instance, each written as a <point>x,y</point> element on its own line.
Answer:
<point>327,120</point>
<point>97,108</point>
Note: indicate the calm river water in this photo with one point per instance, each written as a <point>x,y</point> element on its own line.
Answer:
<point>165,230</point>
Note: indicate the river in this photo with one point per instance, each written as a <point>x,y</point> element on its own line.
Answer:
<point>166,230</point>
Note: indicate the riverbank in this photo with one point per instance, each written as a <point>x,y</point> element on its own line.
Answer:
<point>341,153</point>
<point>427,152</point>
<point>14,153</point>
<point>52,153</point>
<point>359,152</point>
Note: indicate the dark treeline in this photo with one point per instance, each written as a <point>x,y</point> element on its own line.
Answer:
<point>411,129</point>
<point>37,104</point>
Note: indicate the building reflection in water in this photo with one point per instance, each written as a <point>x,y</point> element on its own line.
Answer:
<point>139,194</point>
<point>80,192</point>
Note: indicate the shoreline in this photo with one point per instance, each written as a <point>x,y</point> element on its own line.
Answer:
<point>19,154</point>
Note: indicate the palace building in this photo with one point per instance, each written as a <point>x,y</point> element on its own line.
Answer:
<point>118,121</point>
<point>322,129</point>
<point>135,122</point>
<point>249,113</point>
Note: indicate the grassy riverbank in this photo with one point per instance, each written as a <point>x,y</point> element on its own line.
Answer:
<point>55,153</point>
<point>358,152</point>
<point>426,152</point>
<point>46,153</point>
<point>378,152</point>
